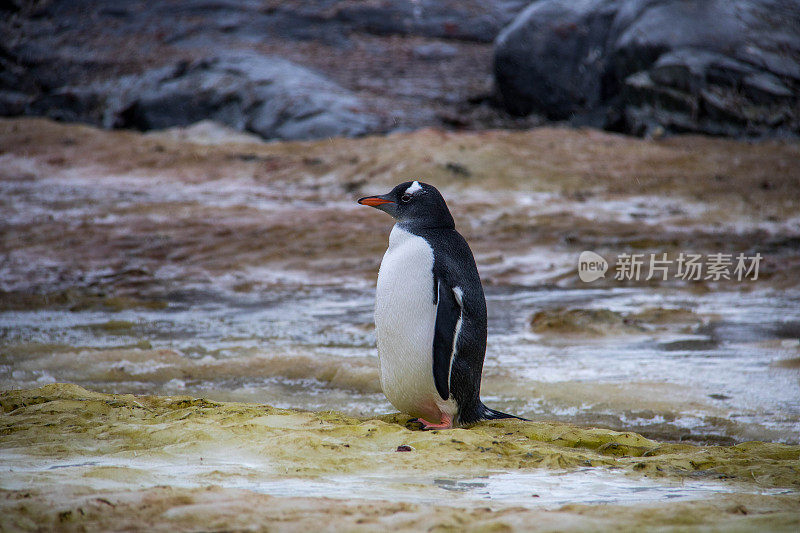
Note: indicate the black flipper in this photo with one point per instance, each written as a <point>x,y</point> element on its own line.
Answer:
<point>448,311</point>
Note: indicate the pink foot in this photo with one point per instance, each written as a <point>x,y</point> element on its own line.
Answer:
<point>446,423</point>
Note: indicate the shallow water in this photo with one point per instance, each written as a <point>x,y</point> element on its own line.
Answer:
<point>710,377</point>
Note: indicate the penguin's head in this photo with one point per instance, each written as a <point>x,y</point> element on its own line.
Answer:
<point>413,204</point>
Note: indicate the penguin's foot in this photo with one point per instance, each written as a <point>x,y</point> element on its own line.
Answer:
<point>446,423</point>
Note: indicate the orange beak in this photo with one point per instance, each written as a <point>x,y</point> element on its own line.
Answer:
<point>374,201</point>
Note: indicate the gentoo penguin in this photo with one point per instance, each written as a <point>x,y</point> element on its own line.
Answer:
<point>430,312</point>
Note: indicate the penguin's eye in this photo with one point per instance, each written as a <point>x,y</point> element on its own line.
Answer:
<point>405,198</point>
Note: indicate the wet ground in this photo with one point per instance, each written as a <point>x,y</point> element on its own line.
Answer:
<point>159,461</point>
<point>150,264</point>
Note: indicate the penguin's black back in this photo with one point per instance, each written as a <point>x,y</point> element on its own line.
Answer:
<point>454,265</point>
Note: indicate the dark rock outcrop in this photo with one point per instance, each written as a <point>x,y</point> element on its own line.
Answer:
<point>470,20</point>
<point>723,67</point>
<point>281,68</point>
<point>265,95</point>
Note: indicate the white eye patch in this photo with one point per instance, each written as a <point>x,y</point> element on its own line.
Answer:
<point>415,187</point>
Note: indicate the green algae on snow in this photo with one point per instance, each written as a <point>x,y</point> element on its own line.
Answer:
<point>81,460</point>
<point>62,420</point>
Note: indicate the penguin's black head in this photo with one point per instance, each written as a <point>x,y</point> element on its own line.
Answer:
<point>413,204</point>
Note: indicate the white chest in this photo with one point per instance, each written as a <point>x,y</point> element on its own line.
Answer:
<point>405,317</point>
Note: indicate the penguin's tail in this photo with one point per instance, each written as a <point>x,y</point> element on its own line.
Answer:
<point>491,414</point>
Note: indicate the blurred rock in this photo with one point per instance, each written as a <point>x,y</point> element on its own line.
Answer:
<point>551,58</point>
<point>435,51</point>
<point>719,67</point>
<point>351,60</point>
<point>470,20</point>
<point>269,96</point>
<point>205,132</point>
